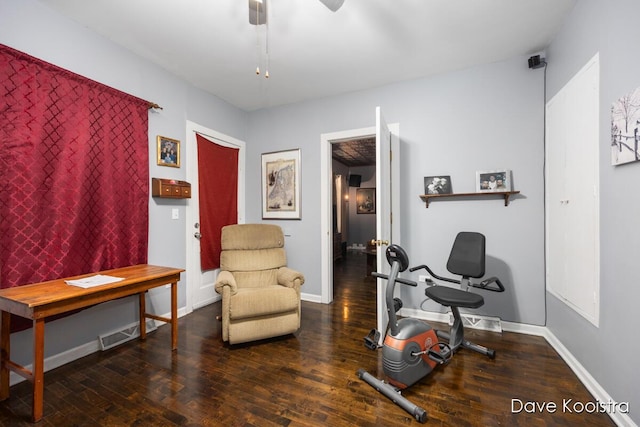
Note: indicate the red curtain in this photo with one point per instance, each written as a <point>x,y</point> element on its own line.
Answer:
<point>217,196</point>
<point>74,170</point>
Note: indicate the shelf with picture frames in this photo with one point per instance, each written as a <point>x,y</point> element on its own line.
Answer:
<point>502,194</point>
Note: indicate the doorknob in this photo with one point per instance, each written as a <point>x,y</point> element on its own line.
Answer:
<point>379,242</point>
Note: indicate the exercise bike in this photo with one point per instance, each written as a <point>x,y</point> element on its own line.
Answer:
<point>410,350</point>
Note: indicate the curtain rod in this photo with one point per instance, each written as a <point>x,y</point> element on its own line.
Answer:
<point>153,105</point>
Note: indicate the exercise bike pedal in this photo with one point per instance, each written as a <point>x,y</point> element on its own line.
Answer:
<point>371,340</point>
<point>441,355</point>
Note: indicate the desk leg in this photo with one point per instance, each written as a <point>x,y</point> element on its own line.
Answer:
<point>38,369</point>
<point>143,317</point>
<point>174,315</point>
<point>5,354</point>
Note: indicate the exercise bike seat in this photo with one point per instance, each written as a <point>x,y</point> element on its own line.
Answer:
<point>451,297</point>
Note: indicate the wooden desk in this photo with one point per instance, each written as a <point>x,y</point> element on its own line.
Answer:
<point>41,300</point>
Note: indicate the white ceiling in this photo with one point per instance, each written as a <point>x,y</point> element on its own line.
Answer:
<point>314,52</point>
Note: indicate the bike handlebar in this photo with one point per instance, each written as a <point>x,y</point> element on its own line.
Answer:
<point>398,279</point>
<point>434,275</point>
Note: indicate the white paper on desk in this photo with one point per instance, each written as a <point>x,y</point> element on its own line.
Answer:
<point>97,280</point>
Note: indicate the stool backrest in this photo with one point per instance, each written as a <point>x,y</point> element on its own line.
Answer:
<point>467,257</point>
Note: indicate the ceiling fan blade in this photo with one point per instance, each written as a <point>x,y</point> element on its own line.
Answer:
<point>333,5</point>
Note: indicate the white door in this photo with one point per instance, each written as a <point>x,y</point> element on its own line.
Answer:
<point>200,284</point>
<point>556,196</point>
<point>383,211</point>
<point>572,200</point>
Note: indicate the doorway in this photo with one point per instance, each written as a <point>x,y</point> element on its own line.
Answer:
<point>200,284</point>
<point>387,197</point>
<point>354,213</point>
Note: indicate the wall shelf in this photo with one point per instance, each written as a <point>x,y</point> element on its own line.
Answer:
<point>502,194</point>
<point>170,188</point>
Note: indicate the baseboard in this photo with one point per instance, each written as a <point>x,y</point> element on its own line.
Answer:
<point>57,360</point>
<point>523,328</point>
<point>211,300</point>
<point>60,359</point>
<point>311,298</point>
<point>596,390</point>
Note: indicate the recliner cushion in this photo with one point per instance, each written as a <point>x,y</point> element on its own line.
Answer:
<point>264,301</point>
<point>256,279</point>
<point>251,236</point>
<point>252,260</point>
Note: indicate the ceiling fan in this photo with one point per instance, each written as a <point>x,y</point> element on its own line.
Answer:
<point>258,9</point>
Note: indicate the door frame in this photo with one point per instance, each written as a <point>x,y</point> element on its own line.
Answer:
<point>192,261</point>
<point>326,182</point>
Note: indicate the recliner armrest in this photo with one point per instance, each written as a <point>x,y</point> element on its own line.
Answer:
<point>288,277</point>
<point>225,278</point>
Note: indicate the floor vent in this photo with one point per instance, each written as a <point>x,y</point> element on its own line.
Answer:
<point>128,333</point>
<point>486,323</point>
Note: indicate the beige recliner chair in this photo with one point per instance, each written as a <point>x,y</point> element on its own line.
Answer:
<point>260,295</point>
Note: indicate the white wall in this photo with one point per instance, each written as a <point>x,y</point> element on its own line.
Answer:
<point>484,118</point>
<point>28,26</point>
<point>609,352</point>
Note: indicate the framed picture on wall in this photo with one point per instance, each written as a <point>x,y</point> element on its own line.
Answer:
<point>493,181</point>
<point>281,192</point>
<point>440,184</point>
<point>168,151</point>
<point>366,200</point>
<point>625,129</point>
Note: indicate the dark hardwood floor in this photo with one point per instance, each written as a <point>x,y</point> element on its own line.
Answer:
<point>308,379</point>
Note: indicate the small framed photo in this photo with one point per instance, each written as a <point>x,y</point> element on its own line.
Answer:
<point>281,192</point>
<point>625,127</point>
<point>366,200</point>
<point>440,184</point>
<point>493,181</point>
<point>168,151</point>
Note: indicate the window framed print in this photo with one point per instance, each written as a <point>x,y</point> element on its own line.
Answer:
<point>281,192</point>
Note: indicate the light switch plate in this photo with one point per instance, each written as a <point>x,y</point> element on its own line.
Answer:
<point>175,213</point>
